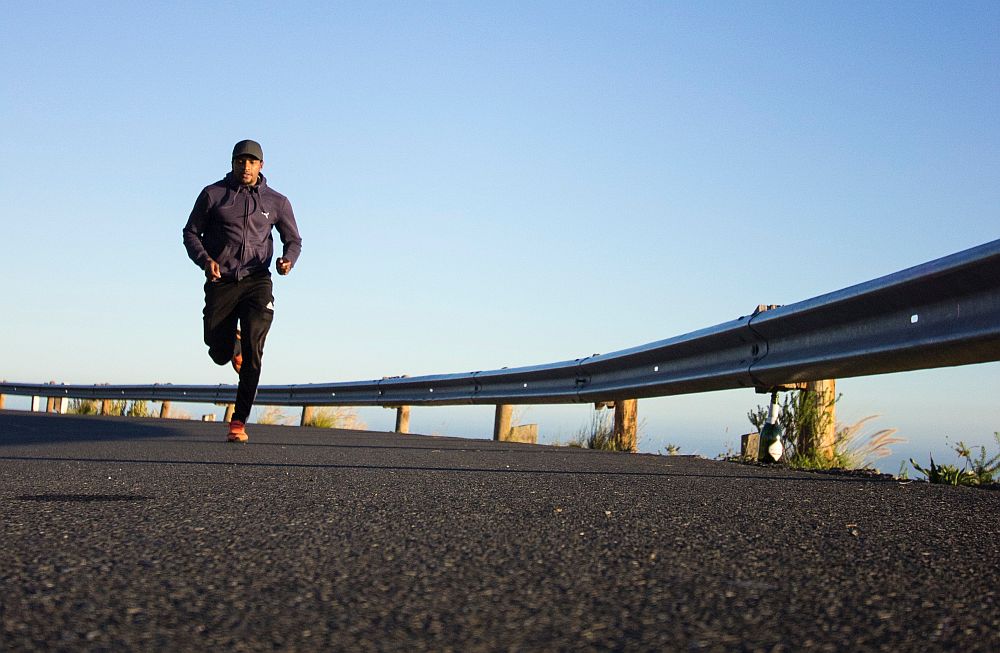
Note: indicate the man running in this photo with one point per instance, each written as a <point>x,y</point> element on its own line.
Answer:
<point>228,235</point>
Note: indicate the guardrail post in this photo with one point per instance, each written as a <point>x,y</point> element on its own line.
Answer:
<point>165,410</point>
<point>501,423</point>
<point>1,402</point>
<point>62,405</point>
<point>307,415</point>
<point>402,419</point>
<point>625,424</point>
<point>230,409</point>
<point>36,404</point>
<point>50,401</point>
<point>826,398</point>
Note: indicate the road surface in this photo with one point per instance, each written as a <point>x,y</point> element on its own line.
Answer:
<point>148,534</point>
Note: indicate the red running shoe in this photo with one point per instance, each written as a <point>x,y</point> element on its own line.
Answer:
<point>237,431</point>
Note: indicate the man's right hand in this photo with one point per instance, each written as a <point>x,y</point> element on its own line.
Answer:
<point>212,272</point>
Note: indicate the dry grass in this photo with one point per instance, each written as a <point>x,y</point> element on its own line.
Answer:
<point>862,453</point>
<point>336,417</point>
<point>84,407</point>
<point>851,449</point>
<point>274,415</point>
<point>598,434</point>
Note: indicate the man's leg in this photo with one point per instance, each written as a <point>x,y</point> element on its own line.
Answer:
<point>220,315</point>
<point>256,312</point>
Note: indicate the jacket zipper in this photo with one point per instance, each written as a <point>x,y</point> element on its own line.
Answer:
<point>246,224</point>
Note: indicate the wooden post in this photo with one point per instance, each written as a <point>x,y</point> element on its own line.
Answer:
<point>50,404</point>
<point>826,396</point>
<point>105,407</point>
<point>625,425</point>
<point>501,423</point>
<point>62,405</point>
<point>307,415</point>
<point>527,433</point>
<point>36,404</point>
<point>230,409</point>
<point>165,410</point>
<point>750,446</point>
<point>402,419</point>
<point>1,401</point>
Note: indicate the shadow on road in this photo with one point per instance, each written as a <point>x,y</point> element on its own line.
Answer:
<point>20,428</point>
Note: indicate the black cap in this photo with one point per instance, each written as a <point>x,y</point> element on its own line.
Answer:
<point>248,148</point>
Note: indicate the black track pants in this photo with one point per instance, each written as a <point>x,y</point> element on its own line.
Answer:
<point>251,303</point>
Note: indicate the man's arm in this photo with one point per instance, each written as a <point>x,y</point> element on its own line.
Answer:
<point>291,242</point>
<point>193,231</point>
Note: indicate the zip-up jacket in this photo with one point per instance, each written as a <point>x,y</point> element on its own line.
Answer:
<point>231,223</point>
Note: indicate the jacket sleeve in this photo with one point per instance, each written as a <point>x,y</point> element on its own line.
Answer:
<point>195,229</point>
<point>288,230</point>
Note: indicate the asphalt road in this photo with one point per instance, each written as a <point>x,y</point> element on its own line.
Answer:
<point>128,534</point>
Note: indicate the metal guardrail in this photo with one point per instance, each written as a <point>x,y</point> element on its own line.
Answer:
<point>942,313</point>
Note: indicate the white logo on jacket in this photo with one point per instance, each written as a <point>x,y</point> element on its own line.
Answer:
<point>267,215</point>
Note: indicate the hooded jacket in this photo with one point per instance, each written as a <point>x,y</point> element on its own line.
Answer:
<point>232,223</point>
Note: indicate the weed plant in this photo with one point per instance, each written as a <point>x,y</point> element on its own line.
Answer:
<point>803,416</point>
<point>974,472</point>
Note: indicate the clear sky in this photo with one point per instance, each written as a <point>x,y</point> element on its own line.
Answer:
<point>488,184</point>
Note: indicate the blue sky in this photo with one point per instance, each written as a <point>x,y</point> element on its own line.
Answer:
<point>482,185</point>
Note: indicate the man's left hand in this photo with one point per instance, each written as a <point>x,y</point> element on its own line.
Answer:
<point>283,266</point>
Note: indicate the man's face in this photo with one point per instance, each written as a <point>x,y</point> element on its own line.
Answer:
<point>246,169</point>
